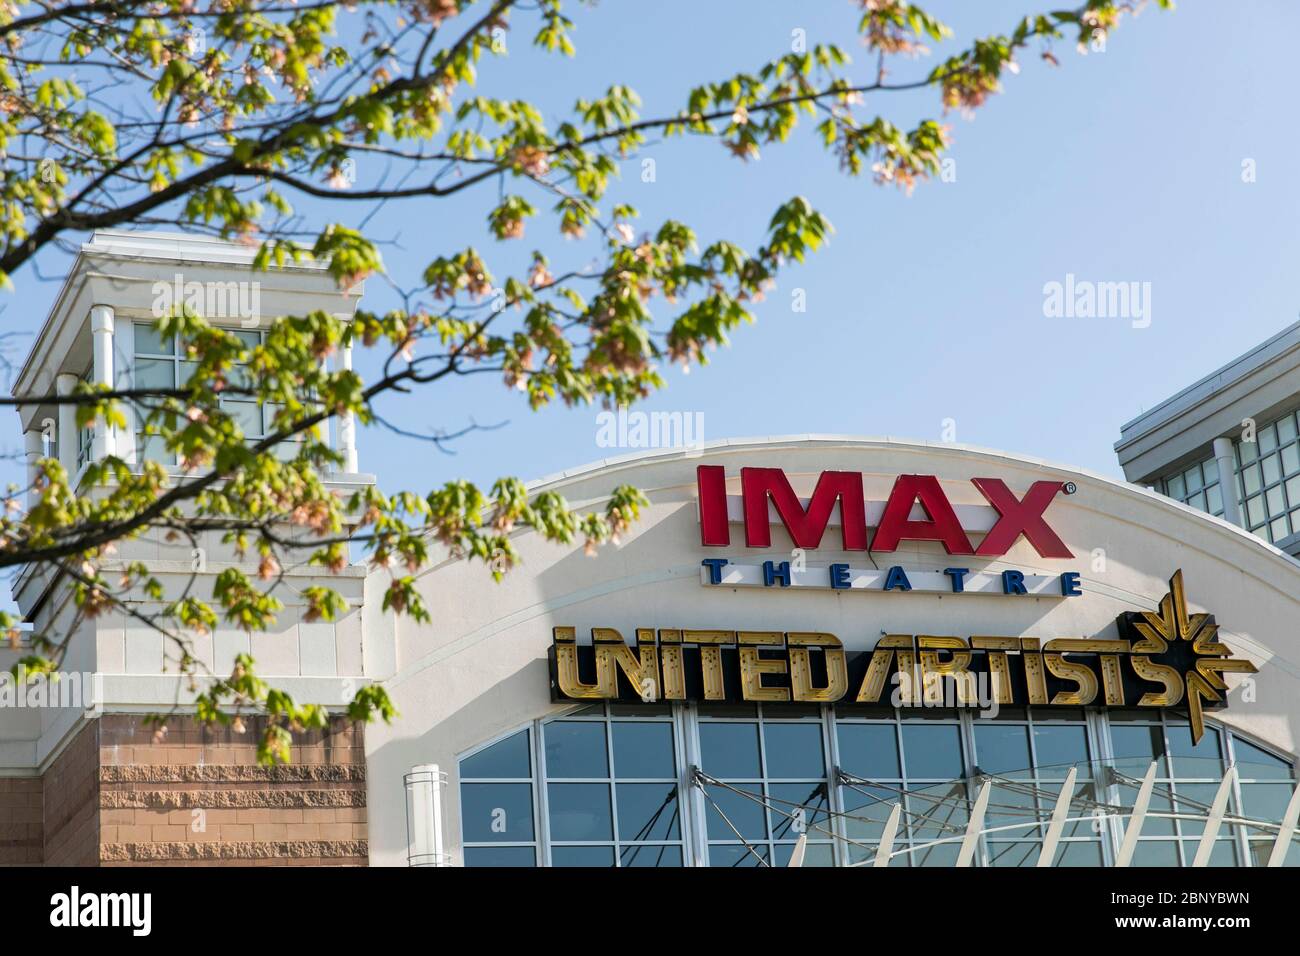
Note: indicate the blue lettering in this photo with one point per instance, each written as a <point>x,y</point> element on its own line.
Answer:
<point>897,578</point>
<point>958,576</point>
<point>715,566</point>
<point>776,572</point>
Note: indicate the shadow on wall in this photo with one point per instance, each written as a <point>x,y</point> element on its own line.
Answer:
<point>504,706</point>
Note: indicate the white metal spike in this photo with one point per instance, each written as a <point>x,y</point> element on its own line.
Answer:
<point>973,828</point>
<point>1053,837</point>
<point>796,855</point>
<point>1212,822</point>
<point>1283,841</point>
<point>886,846</point>
<point>1134,827</point>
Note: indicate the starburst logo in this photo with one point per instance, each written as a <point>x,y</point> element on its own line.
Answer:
<point>1183,652</point>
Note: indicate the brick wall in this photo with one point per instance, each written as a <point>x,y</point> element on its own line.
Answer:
<point>21,820</point>
<point>118,795</point>
<point>198,797</point>
<point>71,802</point>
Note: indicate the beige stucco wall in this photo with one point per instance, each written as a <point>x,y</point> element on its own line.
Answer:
<point>480,668</point>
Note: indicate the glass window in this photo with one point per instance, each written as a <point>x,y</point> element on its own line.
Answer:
<point>647,811</point>
<point>795,807</point>
<point>500,856</point>
<point>1291,459</point>
<point>580,811</point>
<point>1156,853</point>
<point>869,751</point>
<point>1255,511</point>
<point>794,750</point>
<point>159,363</point>
<point>576,749</point>
<point>1268,472</point>
<point>155,373</point>
<point>497,804</point>
<point>932,751</point>
<point>1223,853</point>
<point>582,856</point>
<point>507,759</point>
<point>1181,746</point>
<point>1271,469</point>
<point>730,750</point>
<point>1286,429</point>
<point>1197,486</point>
<point>602,786</point>
<point>1001,748</point>
<point>612,793</point>
<point>643,749</point>
<point>497,812</point>
<point>1265,801</point>
<point>1135,746</point>
<point>1020,853</point>
<point>737,855</point>
<point>736,815</point>
<point>1061,746</point>
<point>1256,763</point>
<point>149,342</point>
<point>751,806</point>
<point>1079,853</point>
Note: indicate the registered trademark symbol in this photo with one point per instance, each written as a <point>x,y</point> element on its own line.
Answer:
<point>1070,488</point>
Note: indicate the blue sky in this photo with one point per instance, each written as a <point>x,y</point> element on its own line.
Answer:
<point>1124,165</point>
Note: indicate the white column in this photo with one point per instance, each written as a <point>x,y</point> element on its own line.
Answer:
<point>1134,828</point>
<point>1282,845</point>
<point>970,842</point>
<point>1225,458</point>
<point>1214,819</point>
<point>886,847</point>
<point>424,816</point>
<point>101,329</point>
<point>68,438</point>
<point>34,446</point>
<point>1059,814</point>
<point>347,425</point>
<point>800,848</point>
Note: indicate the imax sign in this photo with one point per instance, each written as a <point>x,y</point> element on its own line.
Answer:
<point>917,509</point>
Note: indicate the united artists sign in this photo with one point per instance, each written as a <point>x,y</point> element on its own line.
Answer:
<point>1160,659</point>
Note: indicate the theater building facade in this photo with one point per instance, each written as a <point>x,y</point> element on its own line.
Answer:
<point>812,650</point>
<point>735,675</point>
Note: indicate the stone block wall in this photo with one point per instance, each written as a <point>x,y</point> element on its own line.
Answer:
<point>121,794</point>
<point>22,819</point>
<point>197,796</point>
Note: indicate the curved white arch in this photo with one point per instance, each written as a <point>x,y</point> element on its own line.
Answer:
<point>638,460</point>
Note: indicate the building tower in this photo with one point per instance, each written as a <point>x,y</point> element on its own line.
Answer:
<point>87,781</point>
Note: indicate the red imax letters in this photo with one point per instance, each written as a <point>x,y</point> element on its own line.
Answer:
<point>1020,517</point>
<point>807,525</point>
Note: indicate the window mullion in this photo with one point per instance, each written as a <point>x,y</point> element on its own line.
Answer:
<point>543,830</point>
